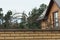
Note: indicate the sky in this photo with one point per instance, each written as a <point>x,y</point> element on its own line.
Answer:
<point>21,5</point>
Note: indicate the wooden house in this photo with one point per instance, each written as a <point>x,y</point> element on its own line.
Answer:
<point>50,18</point>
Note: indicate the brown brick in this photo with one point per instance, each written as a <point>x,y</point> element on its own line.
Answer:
<point>1,38</point>
<point>8,35</point>
<point>12,35</point>
<point>9,38</point>
<point>16,35</point>
<point>19,37</point>
<point>2,35</point>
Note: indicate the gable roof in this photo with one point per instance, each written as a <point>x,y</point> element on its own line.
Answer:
<point>46,12</point>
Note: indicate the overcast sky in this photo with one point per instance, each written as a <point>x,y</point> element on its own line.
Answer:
<point>21,5</point>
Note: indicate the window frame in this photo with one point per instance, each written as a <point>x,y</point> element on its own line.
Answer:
<point>55,19</point>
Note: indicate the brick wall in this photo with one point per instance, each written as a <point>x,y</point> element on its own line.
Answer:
<point>30,35</point>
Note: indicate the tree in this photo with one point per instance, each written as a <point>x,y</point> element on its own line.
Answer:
<point>7,18</point>
<point>1,16</point>
<point>34,14</point>
<point>22,25</point>
<point>23,17</point>
<point>41,8</point>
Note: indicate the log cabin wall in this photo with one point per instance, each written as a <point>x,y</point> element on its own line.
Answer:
<point>30,35</point>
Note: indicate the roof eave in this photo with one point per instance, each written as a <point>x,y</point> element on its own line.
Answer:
<point>49,8</point>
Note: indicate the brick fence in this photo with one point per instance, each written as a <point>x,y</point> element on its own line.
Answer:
<point>30,35</point>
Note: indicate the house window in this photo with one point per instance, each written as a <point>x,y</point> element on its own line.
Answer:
<point>56,24</point>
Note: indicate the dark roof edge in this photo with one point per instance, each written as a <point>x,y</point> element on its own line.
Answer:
<point>49,8</point>
<point>24,30</point>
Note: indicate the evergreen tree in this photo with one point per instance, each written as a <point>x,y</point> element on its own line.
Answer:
<point>7,18</point>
